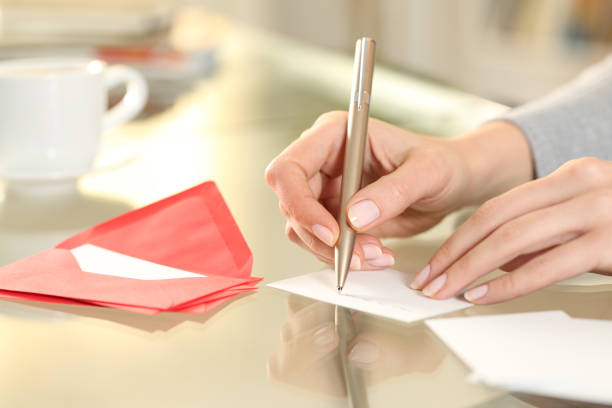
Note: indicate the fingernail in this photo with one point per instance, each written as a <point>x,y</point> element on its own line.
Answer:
<point>371,251</point>
<point>420,278</point>
<point>476,293</point>
<point>323,233</point>
<point>435,285</point>
<point>364,352</point>
<point>324,336</point>
<point>383,260</point>
<point>355,262</point>
<point>363,213</point>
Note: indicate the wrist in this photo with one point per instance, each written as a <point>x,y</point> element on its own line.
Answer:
<point>497,158</point>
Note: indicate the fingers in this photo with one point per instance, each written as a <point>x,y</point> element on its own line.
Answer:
<point>308,241</point>
<point>313,315</point>
<point>379,261</point>
<point>369,253</point>
<point>423,175</point>
<point>560,263</point>
<point>308,339</point>
<point>295,303</point>
<point>303,353</point>
<point>319,149</point>
<point>522,260</point>
<point>529,233</point>
<point>570,180</point>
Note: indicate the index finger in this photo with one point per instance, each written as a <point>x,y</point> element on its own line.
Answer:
<point>319,149</point>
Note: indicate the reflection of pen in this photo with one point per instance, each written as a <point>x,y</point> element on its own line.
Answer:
<point>356,136</point>
<point>353,378</point>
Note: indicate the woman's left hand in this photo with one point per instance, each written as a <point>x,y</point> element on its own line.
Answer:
<point>541,232</point>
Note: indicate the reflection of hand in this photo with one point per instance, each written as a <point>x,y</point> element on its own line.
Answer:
<point>308,355</point>
<point>411,182</point>
<point>541,232</point>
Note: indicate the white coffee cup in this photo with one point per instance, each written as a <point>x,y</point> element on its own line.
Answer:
<point>53,111</point>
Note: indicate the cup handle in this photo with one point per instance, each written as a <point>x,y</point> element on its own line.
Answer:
<point>132,102</point>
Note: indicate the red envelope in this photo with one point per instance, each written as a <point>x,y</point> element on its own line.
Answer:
<point>192,233</point>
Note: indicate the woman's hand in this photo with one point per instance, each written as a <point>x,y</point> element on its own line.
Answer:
<point>411,182</point>
<point>541,232</point>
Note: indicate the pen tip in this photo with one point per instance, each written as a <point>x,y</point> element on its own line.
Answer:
<point>339,290</point>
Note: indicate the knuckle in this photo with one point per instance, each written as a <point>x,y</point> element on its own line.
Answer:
<point>289,232</point>
<point>507,233</point>
<point>305,133</point>
<point>509,285</point>
<point>485,214</point>
<point>309,241</point>
<point>467,264</point>
<point>588,169</point>
<point>272,172</point>
<point>397,192</point>
<point>443,255</point>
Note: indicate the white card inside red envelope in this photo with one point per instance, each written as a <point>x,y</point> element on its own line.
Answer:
<point>182,254</point>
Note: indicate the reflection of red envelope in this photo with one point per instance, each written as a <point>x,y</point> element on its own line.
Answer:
<point>184,254</point>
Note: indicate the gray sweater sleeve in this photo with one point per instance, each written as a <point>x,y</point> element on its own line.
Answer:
<point>574,121</point>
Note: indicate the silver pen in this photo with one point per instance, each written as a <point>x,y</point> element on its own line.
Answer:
<point>356,137</point>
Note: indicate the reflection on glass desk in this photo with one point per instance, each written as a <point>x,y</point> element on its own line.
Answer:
<point>266,348</point>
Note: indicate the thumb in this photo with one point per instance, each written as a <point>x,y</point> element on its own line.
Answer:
<point>419,177</point>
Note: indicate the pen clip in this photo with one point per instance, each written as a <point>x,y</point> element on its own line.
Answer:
<point>362,77</point>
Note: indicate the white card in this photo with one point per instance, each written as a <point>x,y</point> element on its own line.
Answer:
<point>382,293</point>
<point>544,353</point>
<point>94,259</point>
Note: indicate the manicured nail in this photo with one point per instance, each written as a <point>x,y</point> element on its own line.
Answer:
<point>355,262</point>
<point>383,260</point>
<point>476,293</point>
<point>364,352</point>
<point>324,336</point>
<point>363,213</point>
<point>371,251</point>
<point>435,285</point>
<point>420,278</point>
<point>323,233</point>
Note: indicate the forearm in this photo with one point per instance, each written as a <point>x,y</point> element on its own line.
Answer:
<point>535,139</point>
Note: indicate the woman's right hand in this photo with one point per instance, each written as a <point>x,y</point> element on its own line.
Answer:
<point>410,182</point>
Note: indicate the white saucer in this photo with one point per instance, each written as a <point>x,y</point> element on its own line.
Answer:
<point>111,156</point>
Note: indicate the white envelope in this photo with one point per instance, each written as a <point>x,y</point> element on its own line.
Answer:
<point>544,353</point>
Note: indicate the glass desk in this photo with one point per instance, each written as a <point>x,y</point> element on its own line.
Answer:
<point>265,348</point>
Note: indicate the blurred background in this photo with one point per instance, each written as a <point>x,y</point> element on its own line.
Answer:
<point>509,51</point>
<point>231,84</point>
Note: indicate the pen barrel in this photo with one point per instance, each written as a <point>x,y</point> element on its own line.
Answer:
<point>354,151</point>
<point>351,183</point>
